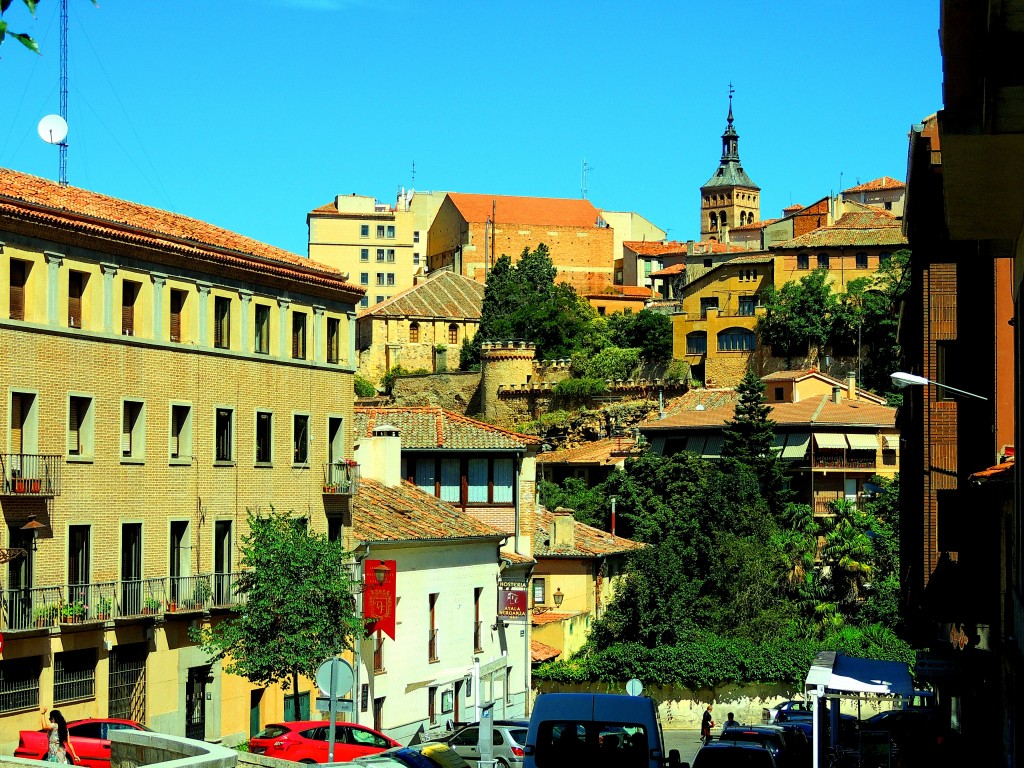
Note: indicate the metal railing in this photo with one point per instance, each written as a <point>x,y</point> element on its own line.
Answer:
<point>43,607</point>
<point>341,478</point>
<point>844,460</point>
<point>30,474</point>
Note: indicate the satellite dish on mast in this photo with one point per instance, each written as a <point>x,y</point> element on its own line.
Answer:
<point>53,129</point>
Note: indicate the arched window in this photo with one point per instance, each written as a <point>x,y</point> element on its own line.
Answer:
<point>697,343</point>
<point>714,221</point>
<point>453,334</point>
<point>743,218</point>
<point>803,261</point>
<point>822,261</point>
<point>414,333</point>
<point>736,340</point>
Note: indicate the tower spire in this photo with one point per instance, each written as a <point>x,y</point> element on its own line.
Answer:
<point>730,139</point>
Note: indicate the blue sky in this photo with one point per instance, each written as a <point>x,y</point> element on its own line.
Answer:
<point>249,113</point>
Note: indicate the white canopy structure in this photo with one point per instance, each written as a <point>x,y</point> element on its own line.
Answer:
<point>835,676</point>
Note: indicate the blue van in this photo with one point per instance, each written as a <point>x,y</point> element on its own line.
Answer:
<point>596,729</point>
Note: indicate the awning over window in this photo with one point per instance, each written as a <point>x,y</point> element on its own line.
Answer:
<point>695,443</point>
<point>830,440</point>
<point>890,442</point>
<point>862,442</point>
<point>713,447</point>
<point>778,443</point>
<point>658,445</point>
<point>796,446</point>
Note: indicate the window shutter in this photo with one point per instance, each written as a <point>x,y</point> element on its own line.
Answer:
<point>126,430</point>
<point>17,421</point>
<point>175,432</point>
<point>128,309</point>
<point>295,338</point>
<point>17,290</point>
<point>177,299</point>
<point>75,300</point>
<point>74,445</point>
<point>218,331</point>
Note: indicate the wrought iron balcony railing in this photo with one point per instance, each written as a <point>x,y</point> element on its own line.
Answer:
<point>342,478</point>
<point>30,474</point>
<point>29,608</point>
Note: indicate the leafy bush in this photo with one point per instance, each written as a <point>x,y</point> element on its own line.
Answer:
<point>579,389</point>
<point>363,387</point>
<point>678,370</point>
<point>612,363</point>
<point>387,381</point>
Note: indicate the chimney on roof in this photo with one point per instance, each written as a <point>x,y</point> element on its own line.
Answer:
<point>689,247</point>
<point>837,394</point>
<point>380,456</point>
<point>851,385</point>
<point>563,529</point>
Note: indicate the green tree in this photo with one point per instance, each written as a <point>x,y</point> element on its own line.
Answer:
<point>21,37</point>
<point>589,505</point>
<point>798,314</point>
<point>749,438</point>
<point>650,332</point>
<point>296,606</point>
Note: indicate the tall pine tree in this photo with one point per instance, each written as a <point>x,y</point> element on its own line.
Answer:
<point>749,438</point>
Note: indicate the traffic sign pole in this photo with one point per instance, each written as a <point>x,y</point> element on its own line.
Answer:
<point>333,709</point>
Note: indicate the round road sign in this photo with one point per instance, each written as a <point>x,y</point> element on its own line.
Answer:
<point>634,687</point>
<point>343,677</point>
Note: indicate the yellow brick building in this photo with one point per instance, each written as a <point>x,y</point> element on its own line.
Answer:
<point>160,376</point>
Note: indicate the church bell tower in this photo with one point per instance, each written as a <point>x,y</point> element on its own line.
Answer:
<point>729,198</point>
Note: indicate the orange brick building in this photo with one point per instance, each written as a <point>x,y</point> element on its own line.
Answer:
<point>471,231</point>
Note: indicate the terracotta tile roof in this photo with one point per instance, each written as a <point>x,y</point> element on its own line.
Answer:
<point>89,213</point>
<point>753,258</point>
<point>444,294</point>
<point>547,617</point>
<point>550,211</point>
<point>791,209</point>
<point>655,247</point>
<point>405,513</point>
<point>703,399</point>
<point>808,412</point>
<point>704,247</point>
<point>631,292</point>
<point>814,373</point>
<point>875,185</point>
<point>590,541</point>
<point>674,269</point>
<point>608,452</point>
<point>754,226</point>
<point>433,428</point>
<point>515,557</point>
<point>541,652</point>
<point>864,226</point>
<point>1000,473</point>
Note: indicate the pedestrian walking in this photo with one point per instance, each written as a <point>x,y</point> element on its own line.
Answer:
<point>706,724</point>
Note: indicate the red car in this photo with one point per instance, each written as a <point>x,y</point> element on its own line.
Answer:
<point>305,741</point>
<point>89,737</point>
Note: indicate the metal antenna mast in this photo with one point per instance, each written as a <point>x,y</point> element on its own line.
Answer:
<point>63,177</point>
<point>583,186</point>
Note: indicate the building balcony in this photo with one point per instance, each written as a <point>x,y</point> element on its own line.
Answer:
<point>30,474</point>
<point>32,608</point>
<point>845,460</point>
<point>823,502</point>
<point>341,478</point>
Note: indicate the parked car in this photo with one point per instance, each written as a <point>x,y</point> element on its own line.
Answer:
<point>429,754</point>
<point>908,728</point>
<point>785,746</point>
<point>508,740</point>
<point>732,754</point>
<point>788,706</point>
<point>848,724</point>
<point>306,741</point>
<point>89,737</point>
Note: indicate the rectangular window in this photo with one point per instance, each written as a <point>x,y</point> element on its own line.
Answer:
<point>391,231</point>
<point>262,330</point>
<point>391,278</point>
<point>697,343</point>
<point>181,432</point>
<point>74,675</point>
<point>380,278</point>
<point>503,474</point>
<point>479,477</point>
<point>133,440</point>
<point>264,436</point>
<point>416,236</point>
<point>380,230</point>
<point>177,305</point>
<point>221,322</point>
<point>478,643</point>
<point>364,302</point>
<point>364,254</point>
<point>822,261</point>
<point>224,434</point>
<point>364,230</point>
<point>432,644</point>
<point>333,339</point>
<point>76,287</point>
<point>803,261</point>
<point>364,278</point>
<point>378,299</point>
<point>862,261</point>
<point>380,254</point>
<point>391,254</point>
<point>19,684</point>
<point>129,292</point>
<point>299,335</point>
<point>538,591</point>
<point>300,438</point>
<point>706,303</point>
<point>451,480</point>
<point>19,272</point>
<point>747,305</point>
<point>945,366</point>
<point>426,476</point>
<point>415,258</point>
<point>80,426</point>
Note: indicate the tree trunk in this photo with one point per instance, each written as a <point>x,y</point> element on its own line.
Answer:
<point>296,707</point>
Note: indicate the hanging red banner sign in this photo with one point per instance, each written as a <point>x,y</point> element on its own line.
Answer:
<point>379,581</point>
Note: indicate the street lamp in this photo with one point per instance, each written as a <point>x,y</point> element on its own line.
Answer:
<point>381,572</point>
<point>559,597</point>
<point>908,379</point>
<point>33,526</point>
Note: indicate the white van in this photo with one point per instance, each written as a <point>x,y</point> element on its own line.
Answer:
<point>596,729</point>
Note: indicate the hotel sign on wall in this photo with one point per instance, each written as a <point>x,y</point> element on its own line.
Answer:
<point>512,600</point>
<point>379,582</point>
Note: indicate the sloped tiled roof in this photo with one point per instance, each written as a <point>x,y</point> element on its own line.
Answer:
<point>1000,473</point>
<point>608,452</point>
<point>92,214</point>
<point>674,269</point>
<point>590,541</point>
<point>754,225</point>
<point>654,247</point>
<point>876,185</point>
<point>550,211</point>
<point>405,513</point>
<point>809,412</point>
<point>433,428</point>
<point>862,226</point>
<point>814,373</point>
<point>443,295</point>
<point>632,292</point>
<point>706,247</point>
<point>753,258</point>
<point>549,617</point>
<point>541,652</point>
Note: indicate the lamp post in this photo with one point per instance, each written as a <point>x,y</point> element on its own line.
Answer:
<point>901,380</point>
<point>559,597</point>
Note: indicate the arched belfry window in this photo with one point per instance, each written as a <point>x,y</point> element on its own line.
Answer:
<point>714,221</point>
<point>723,219</point>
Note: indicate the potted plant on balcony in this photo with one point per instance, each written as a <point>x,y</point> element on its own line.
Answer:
<point>72,613</point>
<point>103,608</point>
<point>201,593</point>
<point>45,615</point>
<point>150,605</point>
